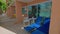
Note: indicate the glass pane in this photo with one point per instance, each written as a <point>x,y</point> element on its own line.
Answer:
<point>38,9</point>
<point>34,11</point>
<point>23,10</point>
<point>29,11</point>
<point>45,9</point>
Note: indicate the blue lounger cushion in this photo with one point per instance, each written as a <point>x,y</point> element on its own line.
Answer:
<point>47,20</point>
<point>37,32</point>
<point>44,29</point>
<point>28,29</point>
<point>32,26</point>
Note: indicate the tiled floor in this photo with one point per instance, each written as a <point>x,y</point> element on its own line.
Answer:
<point>9,24</point>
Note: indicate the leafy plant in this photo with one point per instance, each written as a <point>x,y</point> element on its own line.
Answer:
<point>9,2</point>
<point>0,4</point>
<point>3,5</point>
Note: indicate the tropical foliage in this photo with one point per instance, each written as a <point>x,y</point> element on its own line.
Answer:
<point>3,5</point>
<point>10,2</point>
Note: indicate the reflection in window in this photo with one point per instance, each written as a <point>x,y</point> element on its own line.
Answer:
<point>29,11</point>
<point>23,11</point>
<point>42,9</point>
<point>45,10</point>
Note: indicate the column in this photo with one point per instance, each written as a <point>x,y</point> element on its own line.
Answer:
<point>55,17</point>
<point>19,16</point>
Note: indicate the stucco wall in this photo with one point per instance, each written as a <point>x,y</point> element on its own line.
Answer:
<point>35,1</point>
<point>19,14</point>
<point>10,11</point>
<point>55,17</point>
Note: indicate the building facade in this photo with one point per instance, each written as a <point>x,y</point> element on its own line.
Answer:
<point>55,18</point>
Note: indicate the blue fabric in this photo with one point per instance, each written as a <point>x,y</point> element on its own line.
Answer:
<point>44,29</point>
<point>47,20</point>
<point>38,20</point>
<point>37,32</point>
<point>32,26</point>
<point>37,25</point>
<point>28,28</point>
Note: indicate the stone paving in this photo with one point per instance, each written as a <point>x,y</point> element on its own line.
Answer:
<point>8,23</point>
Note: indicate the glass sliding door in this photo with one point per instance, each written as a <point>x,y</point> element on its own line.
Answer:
<point>38,9</point>
<point>23,11</point>
<point>35,11</point>
<point>29,11</point>
<point>45,9</point>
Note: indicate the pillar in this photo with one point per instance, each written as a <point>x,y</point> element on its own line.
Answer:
<point>55,17</point>
<point>19,16</point>
<point>10,11</point>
